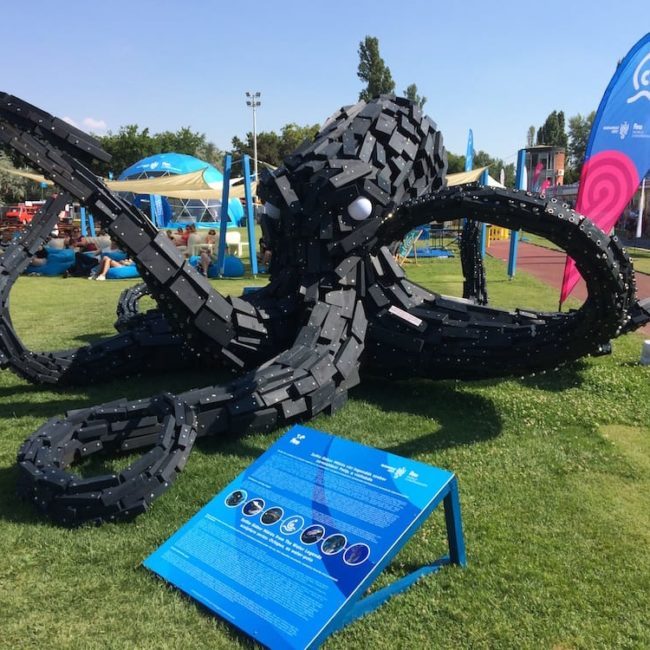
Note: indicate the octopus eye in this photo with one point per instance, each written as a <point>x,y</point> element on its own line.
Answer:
<point>360,208</point>
<point>271,211</point>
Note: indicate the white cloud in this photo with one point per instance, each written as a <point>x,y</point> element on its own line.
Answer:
<point>88,124</point>
<point>94,125</point>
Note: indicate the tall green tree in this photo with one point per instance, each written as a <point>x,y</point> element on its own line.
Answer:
<point>530,136</point>
<point>411,93</point>
<point>552,132</point>
<point>372,70</point>
<point>579,130</point>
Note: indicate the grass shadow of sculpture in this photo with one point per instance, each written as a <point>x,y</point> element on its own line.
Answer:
<point>463,418</point>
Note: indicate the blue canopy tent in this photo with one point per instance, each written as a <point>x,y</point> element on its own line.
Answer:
<point>165,210</point>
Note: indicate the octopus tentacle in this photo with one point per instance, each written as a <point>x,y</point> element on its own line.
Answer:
<point>444,337</point>
<point>143,348</point>
<point>212,325</point>
<point>312,376</point>
<point>330,209</point>
<point>474,283</point>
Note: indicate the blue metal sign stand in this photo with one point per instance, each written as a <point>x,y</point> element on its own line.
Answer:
<point>287,550</point>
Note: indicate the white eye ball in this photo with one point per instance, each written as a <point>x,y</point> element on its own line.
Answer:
<point>271,211</point>
<point>360,208</point>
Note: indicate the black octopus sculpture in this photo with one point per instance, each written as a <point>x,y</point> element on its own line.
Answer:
<point>336,300</point>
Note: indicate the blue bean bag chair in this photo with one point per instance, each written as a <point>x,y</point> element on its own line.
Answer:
<point>118,256</point>
<point>233,267</point>
<point>123,272</point>
<point>58,261</point>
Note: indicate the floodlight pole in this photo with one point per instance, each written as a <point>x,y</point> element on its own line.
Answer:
<point>254,101</point>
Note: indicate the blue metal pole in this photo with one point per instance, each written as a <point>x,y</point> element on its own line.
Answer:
<point>223,223</point>
<point>484,181</point>
<point>250,214</point>
<point>469,158</point>
<point>91,224</point>
<point>82,217</point>
<point>514,234</point>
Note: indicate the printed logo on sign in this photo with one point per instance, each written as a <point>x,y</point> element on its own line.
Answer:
<point>624,130</point>
<point>640,78</point>
<point>297,439</point>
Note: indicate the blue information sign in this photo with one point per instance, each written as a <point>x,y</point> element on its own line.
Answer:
<point>285,551</point>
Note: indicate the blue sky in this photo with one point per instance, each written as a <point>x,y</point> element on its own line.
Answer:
<point>495,67</point>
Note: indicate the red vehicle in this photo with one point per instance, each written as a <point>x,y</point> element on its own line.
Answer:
<point>23,212</point>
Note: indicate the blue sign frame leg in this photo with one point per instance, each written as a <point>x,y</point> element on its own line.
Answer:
<point>456,544</point>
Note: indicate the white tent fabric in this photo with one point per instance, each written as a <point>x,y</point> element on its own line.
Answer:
<point>193,185</point>
<point>37,178</point>
<point>473,176</point>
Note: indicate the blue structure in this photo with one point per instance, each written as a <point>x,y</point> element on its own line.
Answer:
<point>485,180</point>
<point>250,214</point>
<point>514,234</point>
<point>165,210</point>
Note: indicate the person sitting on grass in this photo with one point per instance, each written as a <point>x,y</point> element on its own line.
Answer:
<point>205,260</point>
<point>106,264</point>
<point>211,237</point>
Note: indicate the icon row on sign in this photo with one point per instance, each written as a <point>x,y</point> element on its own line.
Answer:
<point>330,545</point>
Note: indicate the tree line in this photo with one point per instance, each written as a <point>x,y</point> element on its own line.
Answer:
<point>132,143</point>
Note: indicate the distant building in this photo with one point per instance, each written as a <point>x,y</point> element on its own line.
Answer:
<point>544,167</point>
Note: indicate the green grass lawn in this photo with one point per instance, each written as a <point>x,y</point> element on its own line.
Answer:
<point>554,477</point>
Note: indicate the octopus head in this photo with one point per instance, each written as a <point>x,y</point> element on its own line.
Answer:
<point>330,196</point>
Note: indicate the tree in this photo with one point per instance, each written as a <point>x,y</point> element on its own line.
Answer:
<point>372,70</point>
<point>455,163</point>
<point>411,93</point>
<point>495,165</point>
<point>131,144</point>
<point>552,132</point>
<point>272,147</point>
<point>579,130</point>
<point>530,136</point>
<point>13,188</point>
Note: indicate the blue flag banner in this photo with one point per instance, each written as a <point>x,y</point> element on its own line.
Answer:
<point>618,152</point>
<point>469,155</point>
<point>284,549</point>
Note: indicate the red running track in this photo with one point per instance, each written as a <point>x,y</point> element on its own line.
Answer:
<point>548,266</point>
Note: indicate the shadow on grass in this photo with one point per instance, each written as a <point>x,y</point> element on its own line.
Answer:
<point>463,418</point>
<point>12,508</point>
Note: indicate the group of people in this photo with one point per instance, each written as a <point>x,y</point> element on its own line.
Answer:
<point>89,262</point>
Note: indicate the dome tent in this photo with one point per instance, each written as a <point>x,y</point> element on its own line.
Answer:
<point>180,209</point>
